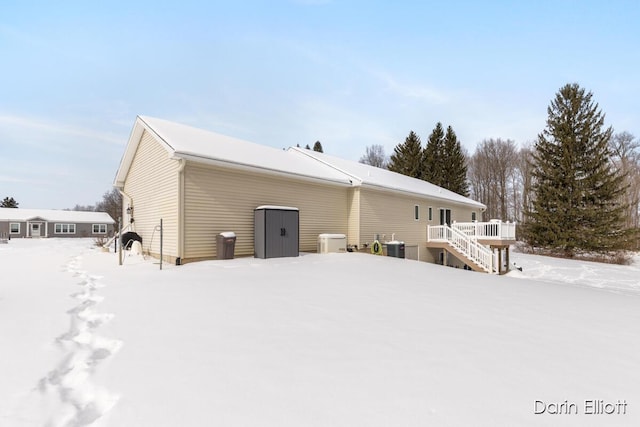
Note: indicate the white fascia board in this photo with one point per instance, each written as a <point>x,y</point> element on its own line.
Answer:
<point>129,152</point>
<point>257,169</point>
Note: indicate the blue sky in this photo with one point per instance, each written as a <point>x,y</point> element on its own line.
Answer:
<point>74,75</point>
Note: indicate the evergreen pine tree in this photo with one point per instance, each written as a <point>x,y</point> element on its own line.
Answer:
<point>432,161</point>
<point>9,202</point>
<point>318,147</point>
<point>575,187</point>
<point>454,171</point>
<point>407,157</point>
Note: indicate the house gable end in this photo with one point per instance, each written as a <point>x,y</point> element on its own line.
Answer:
<point>139,128</point>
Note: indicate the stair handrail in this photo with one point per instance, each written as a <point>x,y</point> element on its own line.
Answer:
<point>473,250</point>
<point>115,236</point>
<point>466,245</point>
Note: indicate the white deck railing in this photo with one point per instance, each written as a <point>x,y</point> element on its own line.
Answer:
<point>494,229</point>
<point>465,244</point>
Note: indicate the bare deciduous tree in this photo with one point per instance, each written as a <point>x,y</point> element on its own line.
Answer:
<point>84,208</point>
<point>111,203</point>
<point>625,149</point>
<point>523,170</point>
<point>492,175</point>
<point>375,156</point>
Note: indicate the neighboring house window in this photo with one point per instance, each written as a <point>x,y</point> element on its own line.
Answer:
<point>473,216</point>
<point>14,228</point>
<point>99,228</point>
<point>416,212</point>
<point>430,213</point>
<point>65,229</point>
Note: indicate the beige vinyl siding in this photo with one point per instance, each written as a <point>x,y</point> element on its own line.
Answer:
<point>459,213</point>
<point>353,236</point>
<point>218,200</point>
<point>152,184</point>
<point>387,214</point>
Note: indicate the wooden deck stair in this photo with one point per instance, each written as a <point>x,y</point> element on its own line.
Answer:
<point>465,242</point>
<point>462,257</point>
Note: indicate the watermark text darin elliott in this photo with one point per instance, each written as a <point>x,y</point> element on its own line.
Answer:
<point>590,407</point>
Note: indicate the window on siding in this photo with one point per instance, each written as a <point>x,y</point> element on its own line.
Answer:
<point>473,216</point>
<point>99,228</point>
<point>416,212</point>
<point>430,213</point>
<point>14,228</point>
<point>65,229</point>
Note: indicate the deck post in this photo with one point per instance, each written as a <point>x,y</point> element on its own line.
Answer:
<point>507,255</point>
<point>491,262</point>
<point>120,246</point>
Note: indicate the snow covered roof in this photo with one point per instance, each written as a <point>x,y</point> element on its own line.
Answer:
<point>186,142</point>
<point>199,145</point>
<point>20,214</point>
<point>372,176</point>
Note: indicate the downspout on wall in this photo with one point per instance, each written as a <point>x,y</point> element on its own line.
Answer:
<point>181,221</point>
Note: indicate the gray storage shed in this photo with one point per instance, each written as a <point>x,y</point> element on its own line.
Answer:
<point>276,232</point>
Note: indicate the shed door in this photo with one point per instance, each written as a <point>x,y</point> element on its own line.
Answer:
<point>273,233</point>
<point>290,241</point>
<point>281,234</point>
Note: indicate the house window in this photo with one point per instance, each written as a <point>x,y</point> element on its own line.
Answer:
<point>430,213</point>
<point>14,228</point>
<point>416,212</point>
<point>473,216</point>
<point>99,228</point>
<point>65,229</point>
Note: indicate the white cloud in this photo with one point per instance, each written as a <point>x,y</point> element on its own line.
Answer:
<point>410,90</point>
<point>56,127</point>
<point>4,178</point>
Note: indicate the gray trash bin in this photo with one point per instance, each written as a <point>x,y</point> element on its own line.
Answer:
<point>226,245</point>
<point>395,249</point>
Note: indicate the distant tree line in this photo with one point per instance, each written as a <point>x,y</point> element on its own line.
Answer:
<point>317,146</point>
<point>575,189</point>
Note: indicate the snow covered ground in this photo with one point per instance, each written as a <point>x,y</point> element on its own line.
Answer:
<point>319,340</point>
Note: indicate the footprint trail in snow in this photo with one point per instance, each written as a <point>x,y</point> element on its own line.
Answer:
<point>81,402</point>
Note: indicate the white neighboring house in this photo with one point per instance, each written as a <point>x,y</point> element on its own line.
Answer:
<point>202,183</point>
<point>18,222</point>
